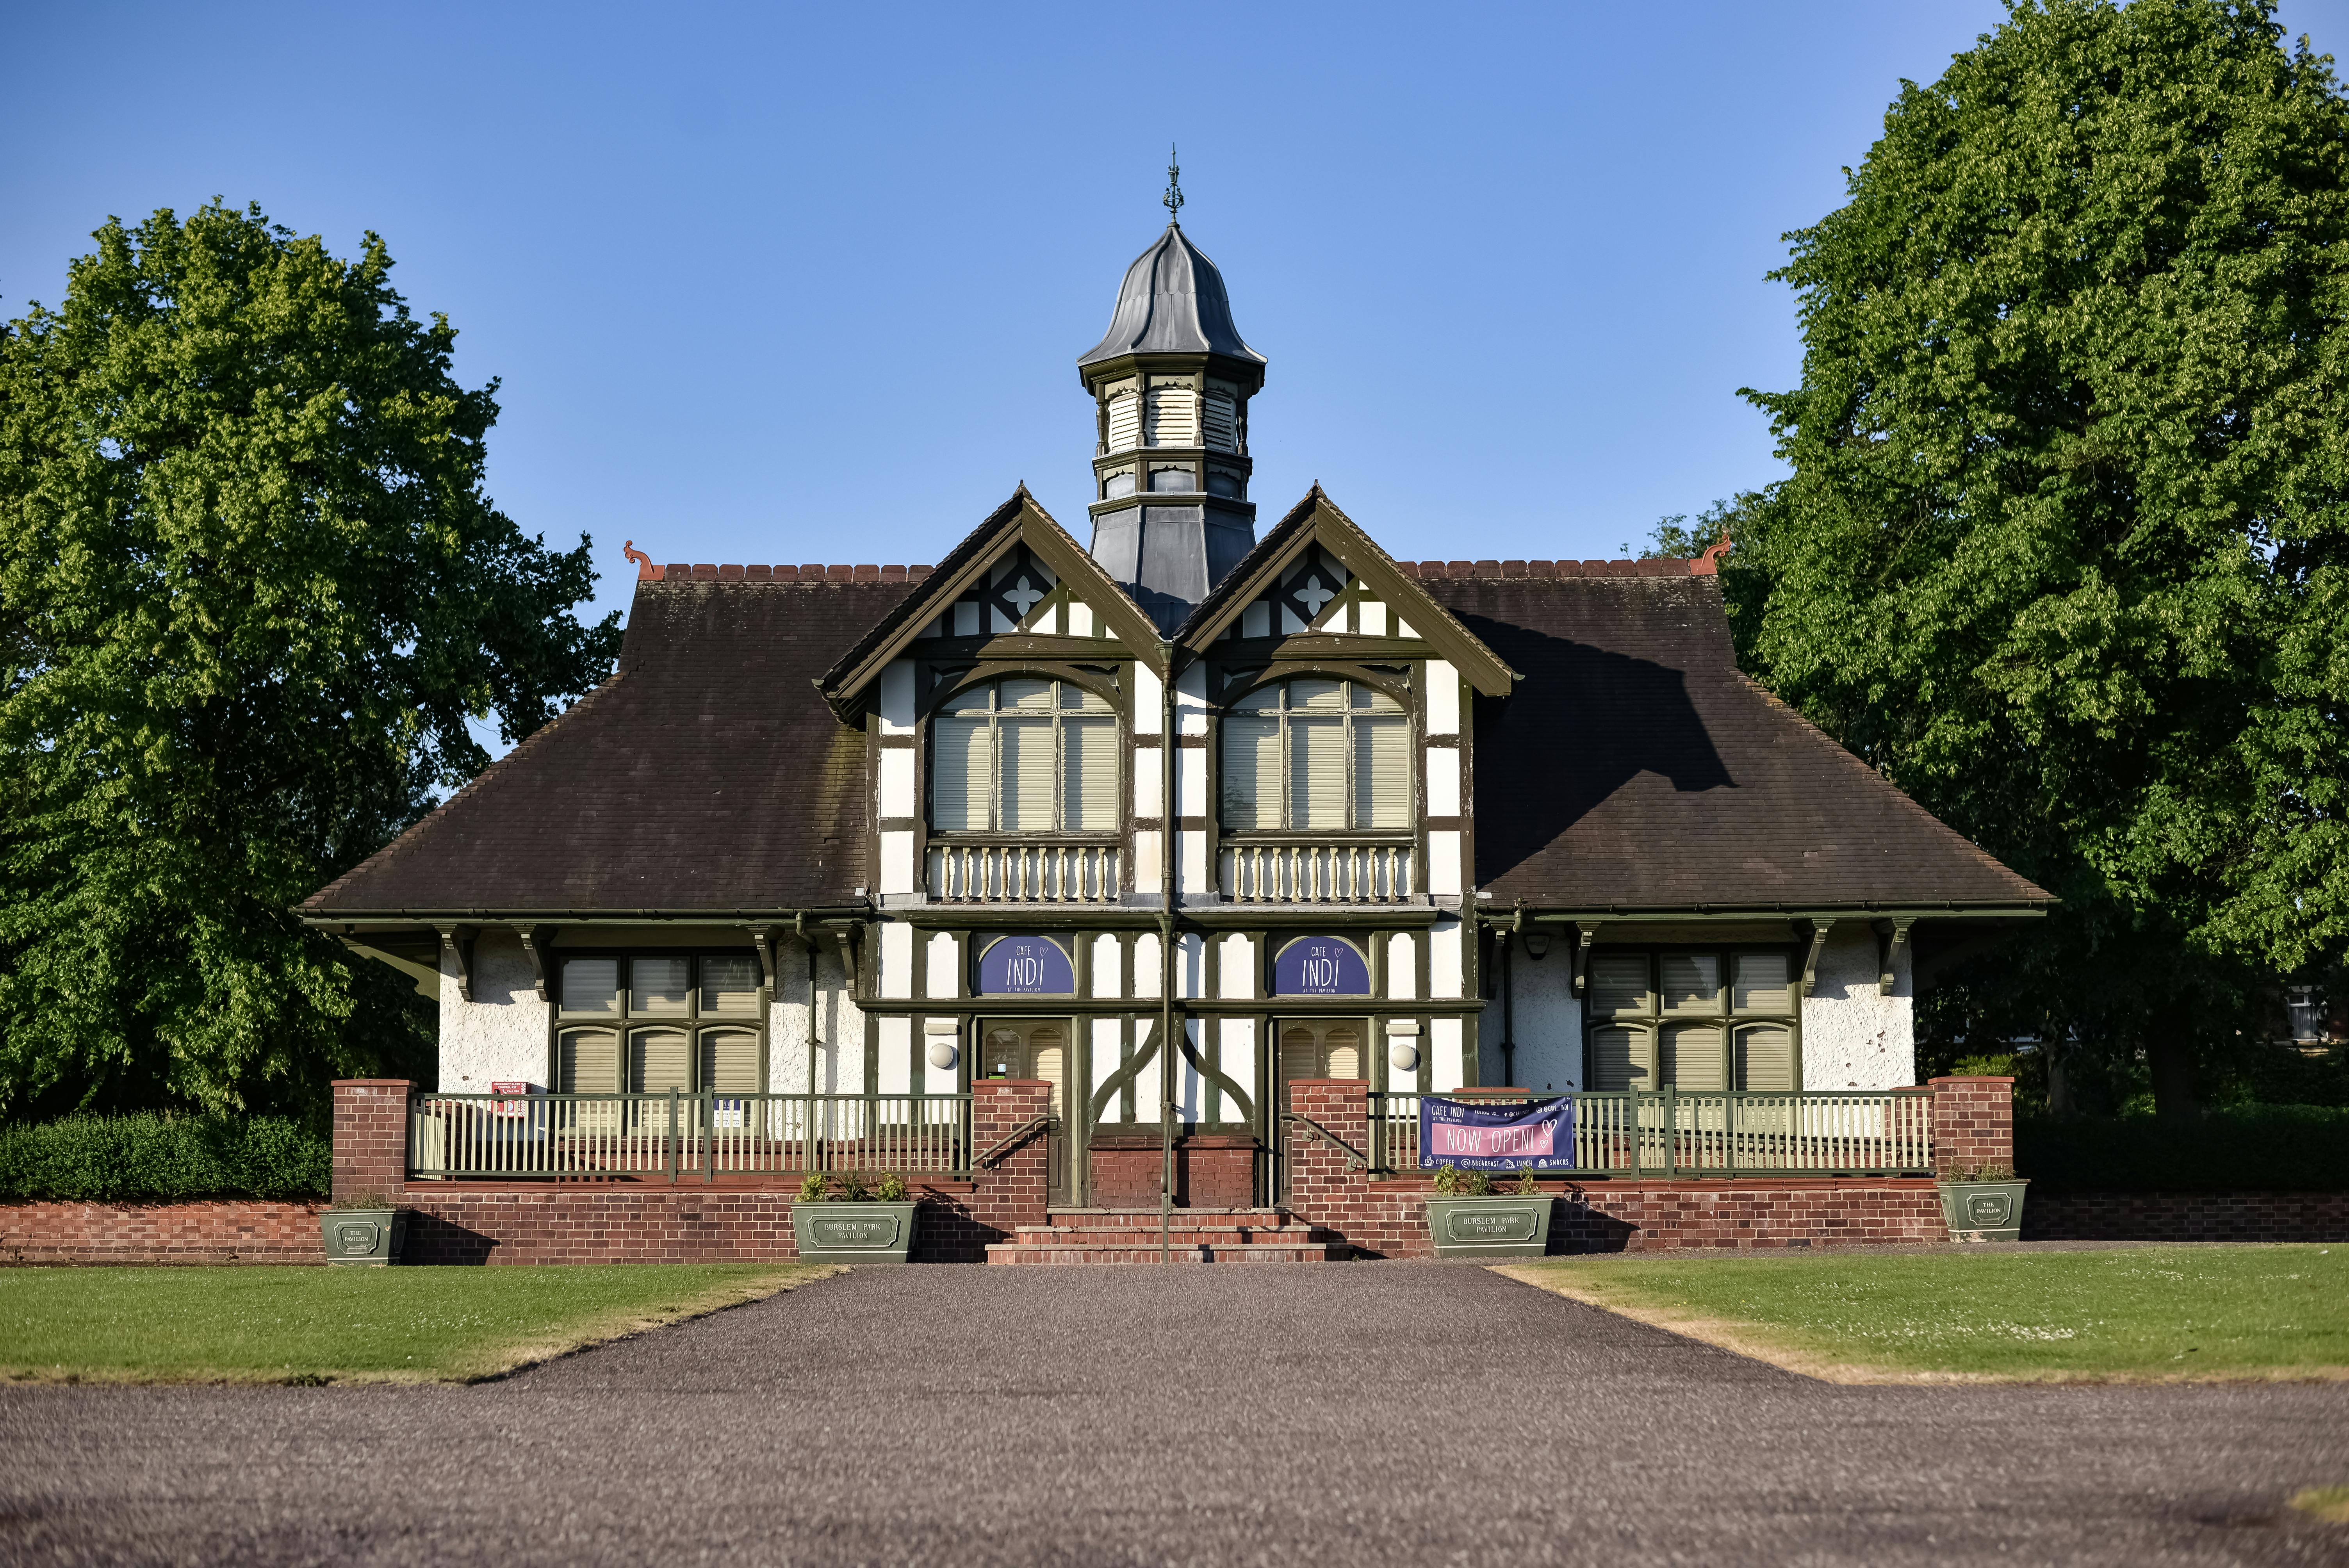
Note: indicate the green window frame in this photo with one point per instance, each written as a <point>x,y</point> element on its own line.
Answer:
<point>1025,755</point>
<point>1317,754</point>
<point>1701,1019</point>
<point>644,1021</point>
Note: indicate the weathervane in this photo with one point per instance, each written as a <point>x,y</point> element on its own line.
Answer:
<point>1173,196</point>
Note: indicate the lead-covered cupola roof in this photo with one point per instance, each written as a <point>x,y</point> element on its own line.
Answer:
<point>1172,302</point>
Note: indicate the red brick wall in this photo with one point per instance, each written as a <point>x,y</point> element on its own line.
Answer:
<point>1389,1217</point>
<point>2218,1216</point>
<point>370,1136</point>
<point>659,1222</point>
<point>230,1230</point>
<point>1210,1172</point>
<point>1973,1123</point>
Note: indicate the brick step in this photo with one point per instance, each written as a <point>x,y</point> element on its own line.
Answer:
<point>1024,1253</point>
<point>1178,1235</point>
<point>1147,1219</point>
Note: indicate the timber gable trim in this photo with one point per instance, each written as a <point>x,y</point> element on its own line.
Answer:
<point>1018,520</point>
<point>1317,520</point>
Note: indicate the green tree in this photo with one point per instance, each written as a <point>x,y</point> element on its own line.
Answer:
<point>253,594</point>
<point>2066,548</point>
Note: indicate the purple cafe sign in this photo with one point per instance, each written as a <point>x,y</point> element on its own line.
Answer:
<point>1478,1135</point>
<point>1320,967</point>
<point>1026,966</point>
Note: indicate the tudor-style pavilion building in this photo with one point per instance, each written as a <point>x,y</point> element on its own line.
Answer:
<point>1316,813</point>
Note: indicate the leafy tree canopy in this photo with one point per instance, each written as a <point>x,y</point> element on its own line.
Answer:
<point>2066,549</point>
<point>252,593</point>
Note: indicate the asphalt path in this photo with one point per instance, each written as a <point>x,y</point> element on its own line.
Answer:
<point>1369,1413</point>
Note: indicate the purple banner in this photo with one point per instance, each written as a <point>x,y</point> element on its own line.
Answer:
<point>1026,966</point>
<point>1479,1135</point>
<point>1320,967</point>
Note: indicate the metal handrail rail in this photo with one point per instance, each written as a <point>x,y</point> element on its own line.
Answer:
<point>1003,1145</point>
<point>1355,1159</point>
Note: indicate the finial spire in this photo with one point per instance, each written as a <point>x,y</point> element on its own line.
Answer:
<point>1173,196</point>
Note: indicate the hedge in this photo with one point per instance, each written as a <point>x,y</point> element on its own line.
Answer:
<point>160,1157</point>
<point>2294,1148</point>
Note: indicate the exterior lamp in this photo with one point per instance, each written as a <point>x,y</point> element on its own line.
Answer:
<point>1537,943</point>
<point>1402,1045</point>
<point>942,1033</point>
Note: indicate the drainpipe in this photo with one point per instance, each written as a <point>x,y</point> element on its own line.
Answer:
<point>1509,1000</point>
<point>1167,839</point>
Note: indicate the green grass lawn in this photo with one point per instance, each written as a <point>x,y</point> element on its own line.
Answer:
<point>2150,1313</point>
<point>344,1325</point>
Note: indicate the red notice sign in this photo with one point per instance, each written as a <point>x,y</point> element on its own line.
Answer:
<point>509,1086</point>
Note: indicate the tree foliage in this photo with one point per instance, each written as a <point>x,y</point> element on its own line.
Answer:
<point>252,593</point>
<point>2066,549</point>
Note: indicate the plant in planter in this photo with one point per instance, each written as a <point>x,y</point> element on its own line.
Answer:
<point>364,1228</point>
<point>1469,1218</point>
<point>1982,1204</point>
<point>856,1223</point>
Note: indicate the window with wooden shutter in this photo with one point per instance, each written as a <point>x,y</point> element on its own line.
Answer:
<point>1174,417</point>
<point>1692,982</point>
<point>1765,1058</point>
<point>1251,796</point>
<point>1222,422</point>
<point>587,1061</point>
<point>1088,761</point>
<point>1688,1030</point>
<point>729,985</point>
<point>591,986</point>
<point>660,1061</point>
<point>1124,423</point>
<point>730,1061</point>
<point>1025,756</point>
<point>1316,755</point>
<point>1762,984</point>
<point>962,764</point>
<point>658,985</point>
<point>1622,1059</point>
<point>1694,1057</point>
<point>1619,984</point>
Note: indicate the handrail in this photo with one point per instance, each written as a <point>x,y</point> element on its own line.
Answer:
<point>1355,1159</point>
<point>1033,1125</point>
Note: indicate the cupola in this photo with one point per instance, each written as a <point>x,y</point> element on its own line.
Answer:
<point>1171,382</point>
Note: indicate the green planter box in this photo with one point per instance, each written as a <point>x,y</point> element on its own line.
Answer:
<point>853,1232</point>
<point>1490,1227</point>
<point>1983,1211</point>
<point>363,1236</point>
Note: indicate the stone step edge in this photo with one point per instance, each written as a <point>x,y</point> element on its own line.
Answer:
<point>1314,1253</point>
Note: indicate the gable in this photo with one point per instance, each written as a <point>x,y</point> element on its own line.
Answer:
<point>1318,593</point>
<point>1318,574</point>
<point>1017,575</point>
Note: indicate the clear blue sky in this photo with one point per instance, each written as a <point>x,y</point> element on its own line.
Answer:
<point>770,284</point>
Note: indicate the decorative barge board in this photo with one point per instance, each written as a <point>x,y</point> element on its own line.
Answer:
<point>1169,823</point>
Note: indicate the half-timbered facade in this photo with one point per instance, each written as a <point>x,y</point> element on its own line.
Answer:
<point>1303,809</point>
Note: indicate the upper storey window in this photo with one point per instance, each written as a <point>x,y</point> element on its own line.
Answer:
<point>1024,756</point>
<point>1317,754</point>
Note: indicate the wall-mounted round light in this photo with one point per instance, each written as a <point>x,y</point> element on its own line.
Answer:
<point>942,1053</point>
<point>1402,1055</point>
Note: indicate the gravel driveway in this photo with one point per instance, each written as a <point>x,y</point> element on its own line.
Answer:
<point>1330,1415</point>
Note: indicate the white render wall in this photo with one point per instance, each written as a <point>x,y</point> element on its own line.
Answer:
<point>826,1027</point>
<point>1548,1022</point>
<point>1852,1037</point>
<point>501,1031</point>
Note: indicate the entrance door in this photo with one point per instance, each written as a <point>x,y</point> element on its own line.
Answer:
<point>1314,1049</point>
<point>1037,1049</point>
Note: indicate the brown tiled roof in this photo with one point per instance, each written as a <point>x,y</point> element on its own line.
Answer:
<point>706,775</point>
<point>1634,765</point>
